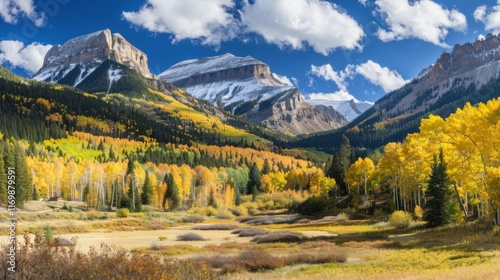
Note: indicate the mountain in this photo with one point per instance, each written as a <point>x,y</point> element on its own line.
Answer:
<point>94,62</point>
<point>470,73</point>
<point>245,86</point>
<point>350,109</point>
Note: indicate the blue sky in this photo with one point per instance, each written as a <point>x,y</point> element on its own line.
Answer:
<point>328,49</point>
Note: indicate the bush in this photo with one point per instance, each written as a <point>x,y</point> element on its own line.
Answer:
<point>92,215</point>
<point>400,219</point>
<point>418,212</point>
<point>70,208</point>
<point>193,219</point>
<point>256,260</point>
<point>239,211</point>
<point>49,235</point>
<point>215,227</point>
<point>190,237</point>
<point>249,231</point>
<point>343,217</point>
<point>162,238</point>
<point>277,237</point>
<point>224,217</point>
<point>122,213</point>
<point>313,205</point>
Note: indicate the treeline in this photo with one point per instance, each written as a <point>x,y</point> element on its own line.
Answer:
<point>108,172</point>
<point>12,155</point>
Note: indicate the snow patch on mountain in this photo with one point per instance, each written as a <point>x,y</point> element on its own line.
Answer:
<point>341,101</point>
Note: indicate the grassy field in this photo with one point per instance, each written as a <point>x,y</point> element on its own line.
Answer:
<point>349,249</point>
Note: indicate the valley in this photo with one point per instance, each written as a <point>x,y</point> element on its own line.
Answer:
<point>219,168</point>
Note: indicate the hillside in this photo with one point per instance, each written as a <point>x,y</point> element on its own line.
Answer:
<point>470,73</point>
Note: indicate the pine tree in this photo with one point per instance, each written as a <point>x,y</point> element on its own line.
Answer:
<point>3,177</point>
<point>147,190</point>
<point>211,199</point>
<point>171,193</point>
<point>341,161</point>
<point>266,168</point>
<point>438,194</point>
<point>23,177</point>
<point>254,180</point>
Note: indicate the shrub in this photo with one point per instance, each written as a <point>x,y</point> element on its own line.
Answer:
<point>92,215</point>
<point>400,219</point>
<point>162,238</point>
<point>190,237</point>
<point>65,207</point>
<point>239,211</point>
<point>275,237</point>
<point>122,213</point>
<point>249,231</point>
<point>224,217</point>
<point>343,217</point>
<point>418,212</point>
<point>49,235</point>
<point>256,260</point>
<point>215,227</point>
<point>193,219</point>
<point>70,208</point>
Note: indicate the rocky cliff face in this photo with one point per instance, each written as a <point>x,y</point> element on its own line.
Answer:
<point>471,65</point>
<point>245,86</point>
<point>87,53</point>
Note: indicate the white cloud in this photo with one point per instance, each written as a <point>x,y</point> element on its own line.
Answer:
<point>340,95</point>
<point>338,77</point>
<point>383,77</point>
<point>297,23</point>
<point>387,79</point>
<point>284,79</point>
<point>12,10</point>
<point>208,21</point>
<point>490,17</point>
<point>29,57</point>
<point>422,19</point>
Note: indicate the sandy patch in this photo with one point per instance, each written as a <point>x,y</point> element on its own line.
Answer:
<point>144,239</point>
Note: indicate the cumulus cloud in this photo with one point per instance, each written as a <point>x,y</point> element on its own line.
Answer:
<point>297,23</point>
<point>340,95</point>
<point>12,10</point>
<point>422,19</point>
<point>338,77</point>
<point>383,77</point>
<point>209,21</point>
<point>284,79</point>
<point>489,16</point>
<point>387,79</point>
<point>28,57</point>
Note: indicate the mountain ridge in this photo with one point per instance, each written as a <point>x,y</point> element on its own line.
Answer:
<point>246,86</point>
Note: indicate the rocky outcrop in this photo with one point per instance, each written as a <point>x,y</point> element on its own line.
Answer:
<point>294,115</point>
<point>95,48</point>
<point>470,65</point>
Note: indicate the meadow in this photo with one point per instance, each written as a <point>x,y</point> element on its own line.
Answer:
<point>267,245</point>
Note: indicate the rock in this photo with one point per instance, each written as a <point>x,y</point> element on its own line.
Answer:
<point>96,48</point>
